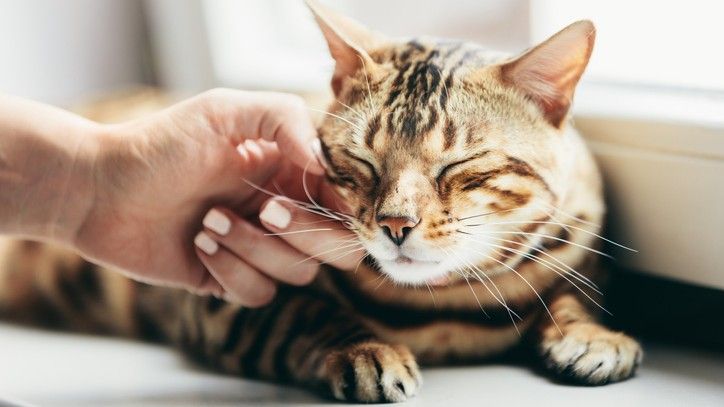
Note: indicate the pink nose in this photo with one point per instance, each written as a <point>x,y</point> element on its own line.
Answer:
<point>397,228</point>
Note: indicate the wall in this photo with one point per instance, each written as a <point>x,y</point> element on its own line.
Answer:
<point>61,51</point>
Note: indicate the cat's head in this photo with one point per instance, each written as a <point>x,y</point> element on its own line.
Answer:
<point>441,149</point>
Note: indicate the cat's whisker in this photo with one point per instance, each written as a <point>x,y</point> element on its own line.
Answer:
<point>489,213</point>
<point>354,125</point>
<point>575,273</point>
<point>557,224</point>
<point>332,216</point>
<point>548,266</point>
<point>500,300</point>
<point>378,278</point>
<point>359,263</point>
<point>359,115</point>
<point>542,235</point>
<point>316,209</point>
<point>316,222</point>
<point>470,286</point>
<point>296,202</point>
<point>472,291</point>
<point>326,213</point>
<point>511,313</point>
<point>384,280</point>
<point>434,302</point>
<point>308,194</point>
<point>369,88</point>
<point>349,240</point>
<point>296,232</point>
<point>537,294</point>
<point>552,217</point>
<point>332,250</point>
<point>588,282</point>
<point>345,219</point>
<point>577,219</point>
<point>316,205</point>
<point>477,272</point>
<point>343,255</point>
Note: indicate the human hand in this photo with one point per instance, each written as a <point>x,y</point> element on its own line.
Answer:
<point>154,180</point>
<point>244,254</point>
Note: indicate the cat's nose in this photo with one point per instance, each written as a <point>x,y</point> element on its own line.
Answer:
<point>397,228</point>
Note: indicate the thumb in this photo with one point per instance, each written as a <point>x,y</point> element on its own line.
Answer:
<point>278,117</point>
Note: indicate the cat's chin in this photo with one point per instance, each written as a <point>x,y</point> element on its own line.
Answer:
<point>407,271</point>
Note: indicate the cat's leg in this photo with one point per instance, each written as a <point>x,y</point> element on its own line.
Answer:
<point>577,348</point>
<point>303,337</point>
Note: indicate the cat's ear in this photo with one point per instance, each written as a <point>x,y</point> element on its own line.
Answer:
<point>348,40</point>
<point>548,73</point>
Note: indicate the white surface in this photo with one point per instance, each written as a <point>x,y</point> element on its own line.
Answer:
<point>61,51</point>
<point>645,41</point>
<point>662,156</point>
<point>57,369</point>
<point>665,106</point>
<point>668,207</point>
<point>276,43</point>
<point>180,45</point>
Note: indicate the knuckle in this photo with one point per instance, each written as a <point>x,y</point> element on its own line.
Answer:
<point>214,93</point>
<point>291,102</point>
<point>211,98</point>
<point>245,237</point>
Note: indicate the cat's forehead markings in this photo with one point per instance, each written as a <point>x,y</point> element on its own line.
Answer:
<point>418,92</point>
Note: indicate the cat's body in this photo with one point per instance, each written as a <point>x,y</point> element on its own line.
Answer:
<point>529,276</point>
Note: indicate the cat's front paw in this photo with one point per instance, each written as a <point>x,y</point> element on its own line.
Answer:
<point>373,372</point>
<point>591,354</point>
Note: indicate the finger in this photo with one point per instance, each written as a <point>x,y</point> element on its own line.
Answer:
<point>319,237</point>
<point>208,285</point>
<point>268,254</point>
<point>241,282</point>
<point>278,117</point>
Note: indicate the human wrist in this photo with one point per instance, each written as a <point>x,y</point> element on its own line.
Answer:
<point>68,191</point>
<point>46,169</point>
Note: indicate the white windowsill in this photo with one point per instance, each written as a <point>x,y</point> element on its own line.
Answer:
<point>678,106</point>
<point>662,155</point>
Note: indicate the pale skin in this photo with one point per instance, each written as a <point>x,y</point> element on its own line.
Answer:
<point>136,196</point>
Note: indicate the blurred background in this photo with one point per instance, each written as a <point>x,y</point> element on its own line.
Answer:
<point>62,52</point>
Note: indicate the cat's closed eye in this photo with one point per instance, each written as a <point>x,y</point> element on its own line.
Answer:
<point>449,167</point>
<point>368,165</point>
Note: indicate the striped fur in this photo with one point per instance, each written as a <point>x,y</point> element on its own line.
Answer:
<point>506,194</point>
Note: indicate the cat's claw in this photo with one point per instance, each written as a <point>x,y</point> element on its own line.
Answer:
<point>591,354</point>
<point>372,373</point>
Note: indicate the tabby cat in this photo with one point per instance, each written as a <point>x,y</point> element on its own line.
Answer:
<point>476,200</point>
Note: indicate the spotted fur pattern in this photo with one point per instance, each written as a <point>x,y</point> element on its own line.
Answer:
<point>507,199</point>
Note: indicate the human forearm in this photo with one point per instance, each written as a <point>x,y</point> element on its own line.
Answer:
<point>46,170</point>
<point>131,196</point>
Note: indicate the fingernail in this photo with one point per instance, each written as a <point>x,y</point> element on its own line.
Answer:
<point>206,244</point>
<point>317,151</point>
<point>276,214</point>
<point>217,221</point>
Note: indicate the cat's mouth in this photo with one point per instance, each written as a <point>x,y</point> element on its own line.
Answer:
<point>407,260</point>
<point>406,269</point>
